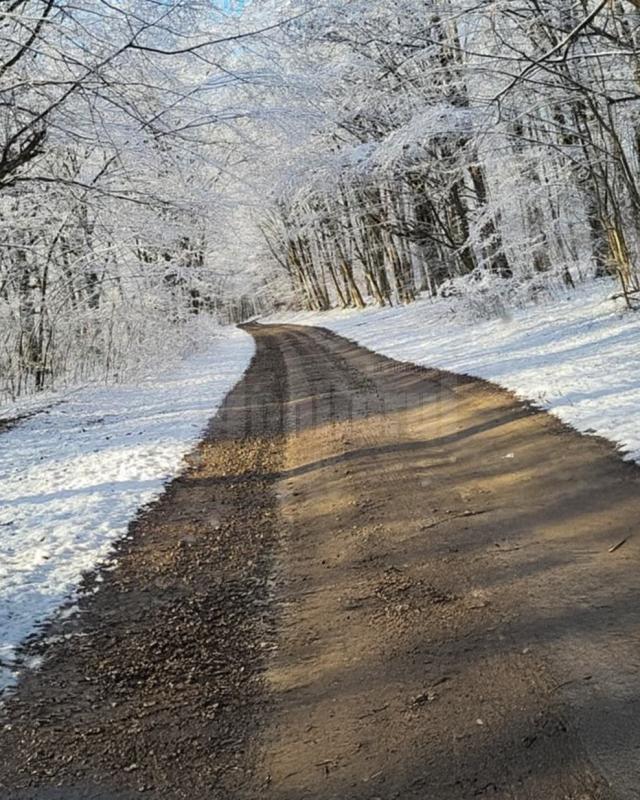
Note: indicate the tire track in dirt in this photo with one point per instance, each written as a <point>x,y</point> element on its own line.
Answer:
<point>399,671</point>
<point>153,688</point>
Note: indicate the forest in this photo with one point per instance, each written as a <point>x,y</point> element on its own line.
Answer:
<point>167,167</point>
<point>319,399</point>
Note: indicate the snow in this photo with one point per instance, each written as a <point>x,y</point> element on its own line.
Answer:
<point>74,475</point>
<point>577,357</point>
<point>27,405</point>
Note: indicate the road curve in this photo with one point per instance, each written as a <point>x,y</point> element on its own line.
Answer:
<point>373,581</point>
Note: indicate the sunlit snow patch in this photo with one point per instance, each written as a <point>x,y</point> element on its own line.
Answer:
<point>72,477</point>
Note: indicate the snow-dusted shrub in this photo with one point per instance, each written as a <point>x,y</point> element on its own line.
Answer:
<point>484,295</point>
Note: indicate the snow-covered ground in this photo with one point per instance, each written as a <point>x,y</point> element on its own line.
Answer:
<point>74,475</point>
<point>578,357</point>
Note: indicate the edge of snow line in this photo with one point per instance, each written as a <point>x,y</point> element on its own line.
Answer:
<point>74,475</point>
<point>577,357</point>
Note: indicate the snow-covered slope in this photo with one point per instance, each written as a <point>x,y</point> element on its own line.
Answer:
<point>73,476</point>
<point>578,357</point>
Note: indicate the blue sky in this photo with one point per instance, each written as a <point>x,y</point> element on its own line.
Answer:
<point>232,5</point>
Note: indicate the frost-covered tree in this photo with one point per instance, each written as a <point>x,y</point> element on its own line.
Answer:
<point>429,145</point>
<point>112,127</point>
<point>162,160</point>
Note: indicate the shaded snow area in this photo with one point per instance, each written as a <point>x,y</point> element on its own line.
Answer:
<point>72,477</point>
<point>578,357</point>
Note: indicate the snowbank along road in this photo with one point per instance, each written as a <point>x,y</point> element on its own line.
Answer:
<point>373,581</point>
<point>73,475</point>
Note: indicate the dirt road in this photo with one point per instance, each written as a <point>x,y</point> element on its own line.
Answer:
<point>374,582</point>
